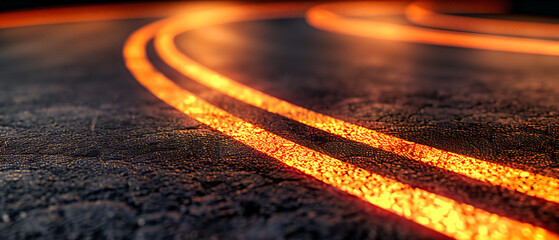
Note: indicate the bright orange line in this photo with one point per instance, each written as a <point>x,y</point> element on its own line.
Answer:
<point>422,13</point>
<point>454,219</point>
<point>458,220</point>
<point>515,179</point>
<point>325,17</point>
<point>95,13</point>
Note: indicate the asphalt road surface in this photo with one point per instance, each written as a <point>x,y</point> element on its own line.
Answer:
<point>87,152</point>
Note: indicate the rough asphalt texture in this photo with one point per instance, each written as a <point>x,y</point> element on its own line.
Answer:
<point>86,152</point>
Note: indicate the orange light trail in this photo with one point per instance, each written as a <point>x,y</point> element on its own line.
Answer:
<point>422,13</point>
<point>522,181</point>
<point>96,13</point>
<point>458,220</point>
<point>326,17</point>
<point>445,215</point>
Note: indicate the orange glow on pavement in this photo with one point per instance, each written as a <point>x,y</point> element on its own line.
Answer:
<point>522,181</point>
<point>458,220</point>
<point>425,13</point>
<point>328,17</point>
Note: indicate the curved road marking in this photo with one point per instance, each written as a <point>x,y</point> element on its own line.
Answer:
<point>522,181</point>
<point>425,13</point>
<point>325,17</point>
<point>428,209</point>
<point>458,220</point>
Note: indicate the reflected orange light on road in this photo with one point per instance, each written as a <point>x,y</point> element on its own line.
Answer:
<point>328,17</point>
<point>458,220</point>
<point>425,13</point>
<point>515,179</point>
<point>461,221</point>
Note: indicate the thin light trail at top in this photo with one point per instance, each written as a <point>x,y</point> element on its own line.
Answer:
<point>522,181</point>
<point>91,13</point>
<point>332,17</point>
<point>117,11</point>
<point>433,14</point>
<point>454,219</point>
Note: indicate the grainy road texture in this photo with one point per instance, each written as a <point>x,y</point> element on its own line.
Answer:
<point>86,152</point>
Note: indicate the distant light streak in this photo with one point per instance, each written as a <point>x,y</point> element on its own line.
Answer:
<point>522,181</point>
<point>458,220</point>
<point>97,13</point>
<point>425,13</point>
<point>325,17</point>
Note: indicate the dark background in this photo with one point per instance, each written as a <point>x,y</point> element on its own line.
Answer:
<point>541,7</point>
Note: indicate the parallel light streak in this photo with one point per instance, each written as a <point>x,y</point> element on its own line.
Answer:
<point>328,17</point>
<point>426,13</point>
<point>522,181</point>
<point>458,220</point>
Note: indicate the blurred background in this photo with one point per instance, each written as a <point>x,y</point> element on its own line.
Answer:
<point>533,7</point>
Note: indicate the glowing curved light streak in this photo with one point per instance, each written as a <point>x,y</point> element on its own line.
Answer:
<point>325,17</point>
<point>422,13</point>
<point>522,181</point>
<point>458,220</point>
